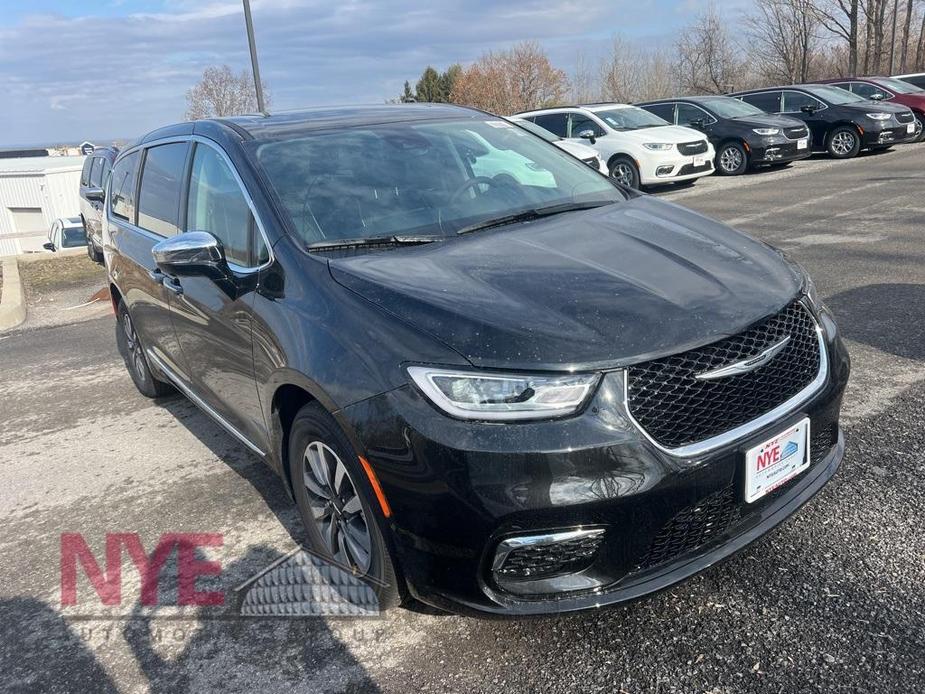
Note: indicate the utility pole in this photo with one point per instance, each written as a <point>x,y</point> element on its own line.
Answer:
<point>249,21</point>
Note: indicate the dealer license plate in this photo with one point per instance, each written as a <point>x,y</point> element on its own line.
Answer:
<point>776,461</point>
<point>802,144</point>
<point>910,128</point>
<point>699,161</point>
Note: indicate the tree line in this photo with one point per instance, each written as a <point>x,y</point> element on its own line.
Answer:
<point>775,42</point>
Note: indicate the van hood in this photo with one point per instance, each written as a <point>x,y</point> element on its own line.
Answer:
<point>592,289</point>
<point>768,121</point>
<point>576,149</point>
<point>661,133</point>
<point>875,107</point>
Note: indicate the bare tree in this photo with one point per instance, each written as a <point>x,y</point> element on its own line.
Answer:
<point>220,92</point>
<point>505,82</point>
<point>708,60</point>
<point>920,49</point>
<point>632,73</point>
<point>841,18</point>
<point>583,86</point>
<point>784,36</point>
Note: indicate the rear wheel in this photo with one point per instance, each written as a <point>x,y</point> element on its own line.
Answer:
<point>134,356</point>
<point>623,170</point>
<point>335,500</point>
<point>843,142</point>
<point>919,127</point>
<point>731,160</point>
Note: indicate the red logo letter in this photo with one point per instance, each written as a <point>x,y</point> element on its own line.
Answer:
<point>108,586</point>
<point>189,568</point>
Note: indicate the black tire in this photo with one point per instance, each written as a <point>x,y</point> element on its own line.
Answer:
<point>313,426</point>
<point>134,356</point>
<point>623,170</point>
<point>843,142</point>
<point>731,159</point>
<point>93,253</point>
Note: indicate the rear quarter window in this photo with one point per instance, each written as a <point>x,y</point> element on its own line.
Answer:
<point>122,197</point>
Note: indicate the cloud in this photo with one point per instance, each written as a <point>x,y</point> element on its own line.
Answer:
<point>133,66</point>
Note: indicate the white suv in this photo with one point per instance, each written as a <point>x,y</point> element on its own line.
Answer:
<point>638,148</point>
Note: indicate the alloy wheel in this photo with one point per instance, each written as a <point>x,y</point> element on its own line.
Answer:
<point>622,173</point>
<point>843,142</point>
<point>918,129</point>
<point>731,159</point>
<point>134,346</point>
<point>336,507</point>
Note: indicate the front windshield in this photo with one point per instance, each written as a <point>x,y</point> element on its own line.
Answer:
<point>834,95</point>
<point>725,107</point>
<point>424,178</point>
<point>899,86</point>
<point>536,129</point>
<point>629,118</point>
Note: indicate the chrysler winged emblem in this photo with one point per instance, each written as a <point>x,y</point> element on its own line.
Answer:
<point>746,365</point>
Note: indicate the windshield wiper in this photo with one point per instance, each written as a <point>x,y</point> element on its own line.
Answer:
<point>372,241</point>
<point>530,215</point>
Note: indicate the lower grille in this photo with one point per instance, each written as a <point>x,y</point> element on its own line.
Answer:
<point>691,169</point>
<point>691,148</point>
<point>796,133</point>
<point>676,408</point>
<point>536,561</point>
<point>693,527</point>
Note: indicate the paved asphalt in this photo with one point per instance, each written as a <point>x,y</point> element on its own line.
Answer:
<point>832,601</point>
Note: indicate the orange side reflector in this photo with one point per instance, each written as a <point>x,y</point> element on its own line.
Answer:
<point>747,148</point>
<point>373,480</point>
<point>861,129</point>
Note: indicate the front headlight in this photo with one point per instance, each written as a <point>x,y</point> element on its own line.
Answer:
<point>658,146</point>
<point>879,116</point>
<point>503,397</point>
<point>766,131</point>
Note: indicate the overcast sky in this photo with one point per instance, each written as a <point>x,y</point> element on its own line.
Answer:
<point>74,70</point>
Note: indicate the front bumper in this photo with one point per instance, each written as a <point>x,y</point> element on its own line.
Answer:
<point>458,490</point>
<point>892,133</point>
<point>777,150</point>
<point>675,167</point>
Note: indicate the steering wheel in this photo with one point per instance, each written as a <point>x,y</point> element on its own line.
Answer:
<point>471,183</point>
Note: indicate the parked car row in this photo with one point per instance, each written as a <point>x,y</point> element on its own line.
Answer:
<point>493,380</point>
<point>679,140</point>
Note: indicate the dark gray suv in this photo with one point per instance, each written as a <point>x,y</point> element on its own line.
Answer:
<point>92,182</point>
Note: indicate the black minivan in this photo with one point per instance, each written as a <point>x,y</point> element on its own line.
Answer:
<point>841,123</point>
<point>93,177</point>
<point>493,381</point>
<point>742,135</point>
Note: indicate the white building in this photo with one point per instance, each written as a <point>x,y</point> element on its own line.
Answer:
<point>34,192</point>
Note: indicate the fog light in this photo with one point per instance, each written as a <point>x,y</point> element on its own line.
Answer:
<point>664,171</point>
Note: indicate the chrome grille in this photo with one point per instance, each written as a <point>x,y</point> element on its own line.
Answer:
<point>691,148</point>
<point>797,133</point>
<point>676,409</point>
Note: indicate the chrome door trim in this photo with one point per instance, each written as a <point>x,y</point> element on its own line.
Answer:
<point>201,404</point>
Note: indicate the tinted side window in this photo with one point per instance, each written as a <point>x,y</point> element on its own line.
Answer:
<point>867,91</point>
<point>581,122</point>
<point>688,113</point>
<point>105,172</point>
<point>766,101</point>
<point>917,80</point>
<point>554,122</point>
<point>663,111</point>
<point>96,172</point>
<point>85,172</point>
<point>794,101</point>
<point>217,204</point>
<point>159,199</point>
<point>122,188</point>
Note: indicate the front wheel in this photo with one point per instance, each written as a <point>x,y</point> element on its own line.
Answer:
<point>623,170</point>
<point>731,160</point>
<point>844,142</point>
<point>919,127</point>
<point>335,500</point>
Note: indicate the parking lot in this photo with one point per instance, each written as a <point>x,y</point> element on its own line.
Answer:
<point>831,601</point>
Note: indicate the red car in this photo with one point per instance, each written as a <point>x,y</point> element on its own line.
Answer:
<point>888,89</point>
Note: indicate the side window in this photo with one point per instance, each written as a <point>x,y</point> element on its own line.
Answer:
<point>769,102</point>
<point>96,169</point>
<point>554,122</point>
<point>688,113</point>
<point>795,101</point>
<point>868,91</point>
<point>159,198</point>
<point>663,111</point>
<point>105,172</point>
<point>122,188</point>
<point>581,122</point>
<point>217,204</point>
<point>85,172</point>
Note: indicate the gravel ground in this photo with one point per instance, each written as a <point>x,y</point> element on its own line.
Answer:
<point>832,601</point>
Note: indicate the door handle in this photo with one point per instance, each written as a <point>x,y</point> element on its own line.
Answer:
<point>171,284</point>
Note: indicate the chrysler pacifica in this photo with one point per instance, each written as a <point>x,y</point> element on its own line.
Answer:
<point>514,389</point>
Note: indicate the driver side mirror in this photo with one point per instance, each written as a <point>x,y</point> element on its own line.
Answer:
<point>588,135</point>
<point>808,109</point>
<point>877,96</point>
<point>698,123</point>
<point>49,246</point>
<point>95,194</point>
<point>192,253</point>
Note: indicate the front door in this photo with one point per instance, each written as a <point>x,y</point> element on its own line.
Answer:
<point>212,316</point>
